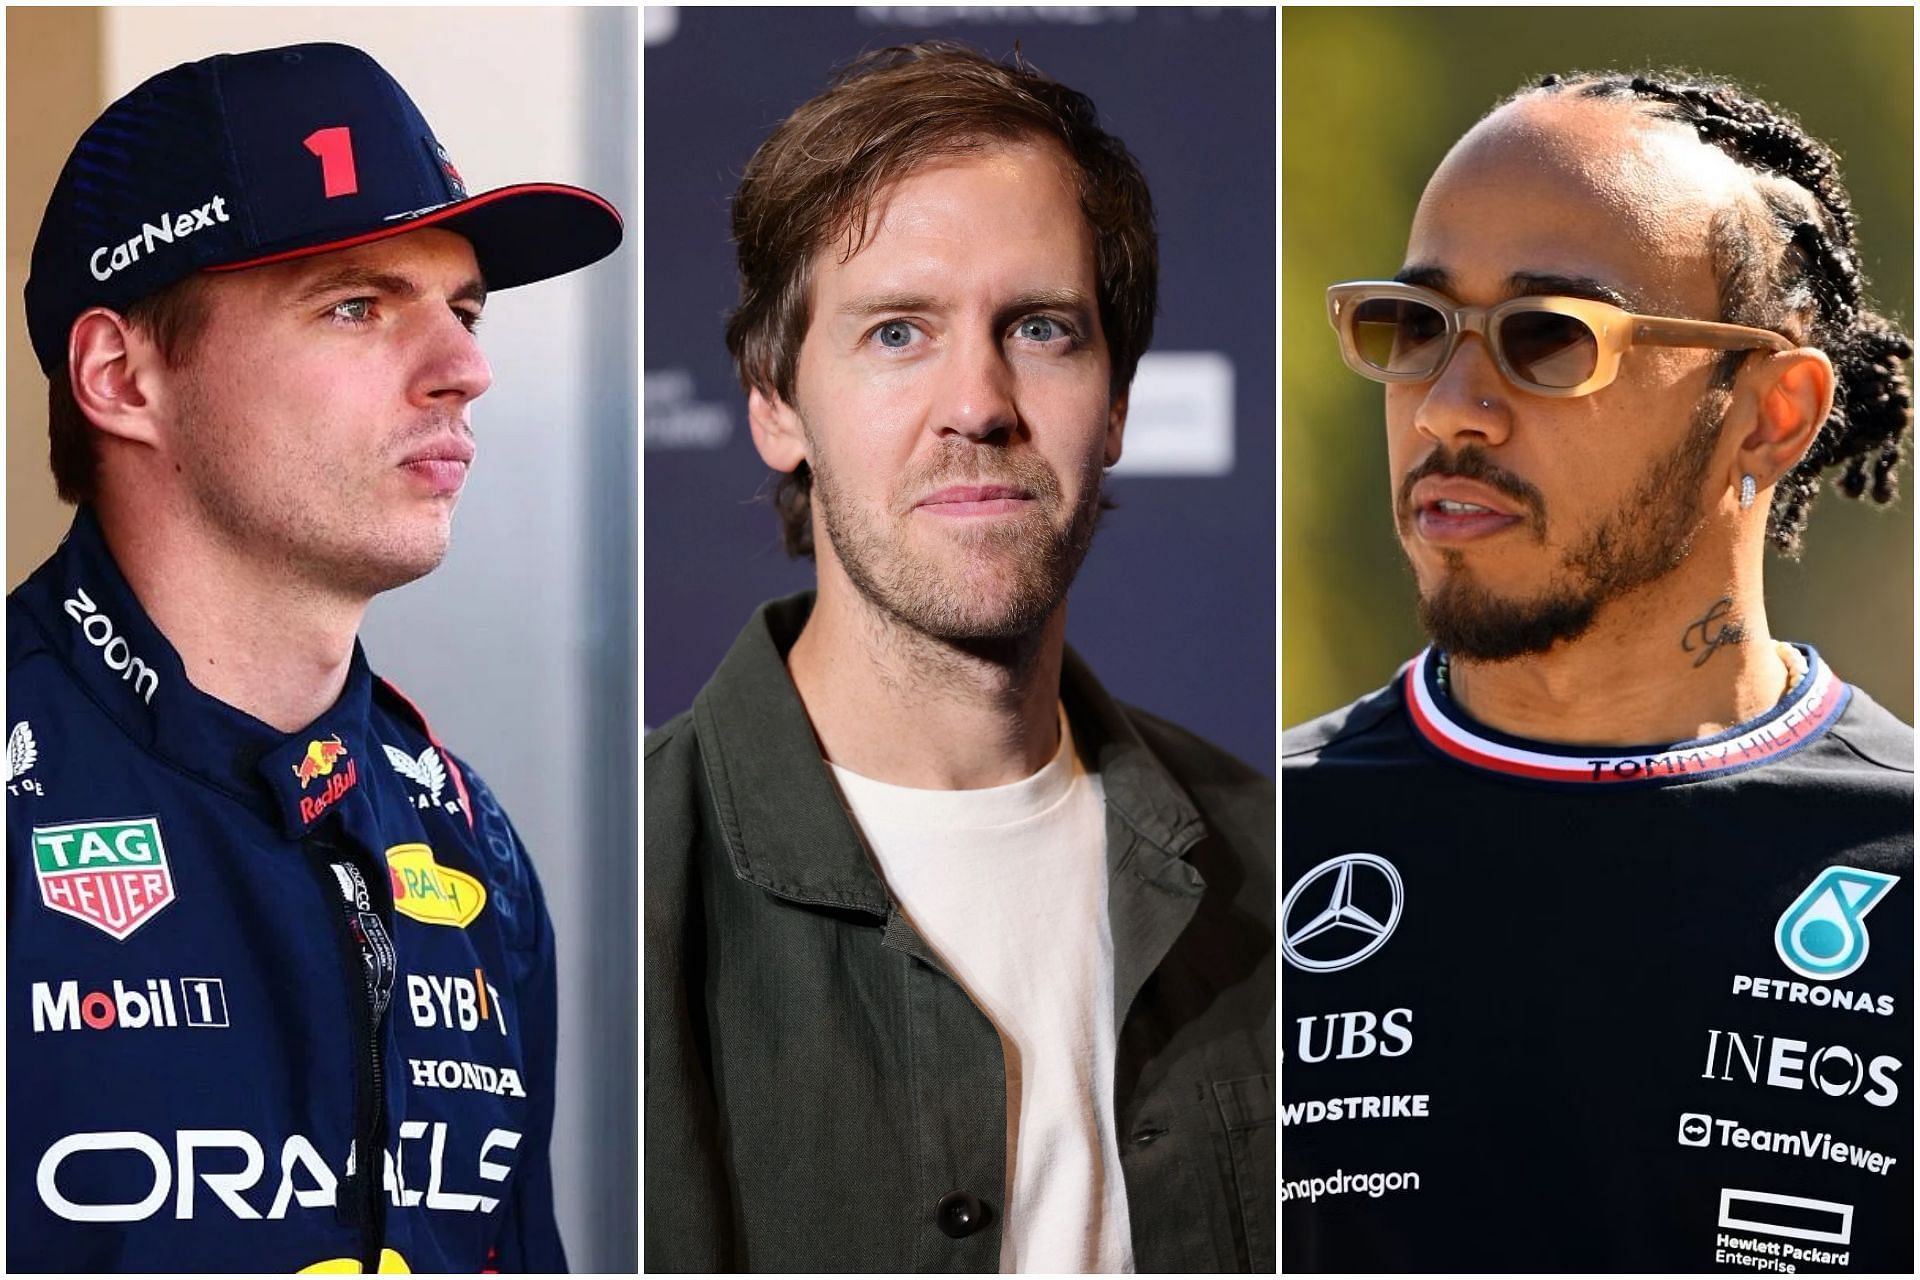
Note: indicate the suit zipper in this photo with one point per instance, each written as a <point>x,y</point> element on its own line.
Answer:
<point>367,952</point>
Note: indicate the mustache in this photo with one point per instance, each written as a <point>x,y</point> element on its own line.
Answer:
<point>1472,463</point>
<point>436,427</point>
<point>979,464</point>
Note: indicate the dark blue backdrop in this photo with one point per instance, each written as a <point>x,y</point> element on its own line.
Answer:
<point>1175,606</point>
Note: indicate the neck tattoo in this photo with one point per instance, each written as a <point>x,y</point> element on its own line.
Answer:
<point>1711,638</point>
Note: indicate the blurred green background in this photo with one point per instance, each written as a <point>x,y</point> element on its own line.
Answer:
<point>1370,101</point>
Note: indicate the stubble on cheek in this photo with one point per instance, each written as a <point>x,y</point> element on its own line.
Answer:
<point>290,496</point>
<point>995,578</point>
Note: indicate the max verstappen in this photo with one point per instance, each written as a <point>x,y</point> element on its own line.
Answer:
<point>1621,979</point>
<point>280,983</point>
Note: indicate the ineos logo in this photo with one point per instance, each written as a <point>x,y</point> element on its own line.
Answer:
<point>1836,1071</point>
<point>97,627</point>
<point>1341,912</point>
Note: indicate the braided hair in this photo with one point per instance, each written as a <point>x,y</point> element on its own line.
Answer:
<point>1796,270</point>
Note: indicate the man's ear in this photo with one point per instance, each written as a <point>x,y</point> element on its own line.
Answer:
<point>115,372</point>
<point>1116,427</point>
<point>777,431</point>
<point>1793,395</point>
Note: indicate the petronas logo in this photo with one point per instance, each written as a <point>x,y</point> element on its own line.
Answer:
<point>1823,934</point>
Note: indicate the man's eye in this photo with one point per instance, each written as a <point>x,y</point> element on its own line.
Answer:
<point>353,310</point>
<point>895,334</point>
<point>471,319</point>
<point>1041,329</point>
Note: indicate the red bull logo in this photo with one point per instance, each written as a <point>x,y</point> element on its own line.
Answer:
<point>319,760</point>
<point>311,807</point>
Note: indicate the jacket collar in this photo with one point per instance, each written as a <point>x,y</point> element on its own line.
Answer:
<point>95,625</point>
<point>781,816</point>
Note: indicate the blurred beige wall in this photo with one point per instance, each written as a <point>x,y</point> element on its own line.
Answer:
<point>53,92</point>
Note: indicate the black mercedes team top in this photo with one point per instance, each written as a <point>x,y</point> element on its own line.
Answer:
<point>1549,1008</point>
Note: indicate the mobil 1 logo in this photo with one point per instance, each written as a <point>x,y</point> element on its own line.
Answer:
<point>135,1006</point>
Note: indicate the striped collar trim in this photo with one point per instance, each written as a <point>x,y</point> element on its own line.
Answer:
<point>1802,716</point>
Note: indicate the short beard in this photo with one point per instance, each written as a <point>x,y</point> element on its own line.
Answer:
<point>1036,556</point>
<point>1648,538</point>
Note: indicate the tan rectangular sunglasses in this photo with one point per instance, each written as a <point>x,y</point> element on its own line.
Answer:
<point>1550,346</point>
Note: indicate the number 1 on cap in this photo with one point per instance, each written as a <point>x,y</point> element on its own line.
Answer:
<point>335,148</point>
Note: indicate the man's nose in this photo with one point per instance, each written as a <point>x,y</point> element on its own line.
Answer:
<point>976,395</point>
<point>1468,401</point>
<point>452,365</point>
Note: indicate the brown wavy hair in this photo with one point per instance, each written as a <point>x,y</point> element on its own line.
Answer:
<point>815,179</point>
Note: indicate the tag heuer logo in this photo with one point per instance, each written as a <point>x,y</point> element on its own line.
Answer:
<point>113,875</point>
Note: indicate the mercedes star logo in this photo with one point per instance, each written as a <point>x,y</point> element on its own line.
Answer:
<point>1341,912</point>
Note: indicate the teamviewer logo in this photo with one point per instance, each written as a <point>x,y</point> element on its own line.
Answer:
<point>1696,1130</point>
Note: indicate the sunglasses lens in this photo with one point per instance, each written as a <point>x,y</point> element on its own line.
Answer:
<point>1549,349</point>
<point>1398,335</point>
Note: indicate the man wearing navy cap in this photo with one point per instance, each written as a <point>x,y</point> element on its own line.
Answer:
<point>280,988</point>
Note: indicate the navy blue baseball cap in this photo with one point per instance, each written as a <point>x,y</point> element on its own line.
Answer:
<point>243,159</point>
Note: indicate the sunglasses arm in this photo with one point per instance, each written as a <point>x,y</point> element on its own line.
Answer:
<point>1653,331</point>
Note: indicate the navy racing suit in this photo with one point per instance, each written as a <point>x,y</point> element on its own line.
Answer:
<point>275,1001</point>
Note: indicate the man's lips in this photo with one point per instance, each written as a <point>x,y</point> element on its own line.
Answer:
<point>441,465</point>
<point>1449,509</point>
<point>975,500</point>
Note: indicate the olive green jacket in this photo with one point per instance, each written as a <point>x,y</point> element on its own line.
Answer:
<point>821,1096</point>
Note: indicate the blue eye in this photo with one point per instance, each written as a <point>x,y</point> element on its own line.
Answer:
<point>895,334</point>
<point>1041,328</point>
<point>353,310</point>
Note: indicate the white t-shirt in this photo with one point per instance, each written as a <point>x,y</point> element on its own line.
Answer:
<point>1008,887</point>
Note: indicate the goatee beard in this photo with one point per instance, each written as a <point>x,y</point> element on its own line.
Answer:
<point>1648,537</point>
